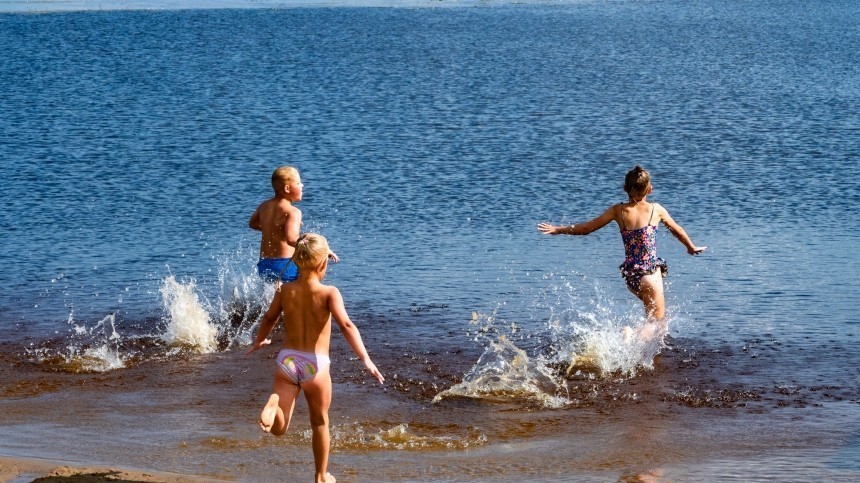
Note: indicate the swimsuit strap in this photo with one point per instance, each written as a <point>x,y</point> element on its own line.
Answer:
<point>650,217</point>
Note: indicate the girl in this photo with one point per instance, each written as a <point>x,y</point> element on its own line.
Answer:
<point>307,307</point>
<point>638,220</point>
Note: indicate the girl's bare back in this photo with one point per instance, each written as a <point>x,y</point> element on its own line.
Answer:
<point>306,316</point>
<point>636,215</point>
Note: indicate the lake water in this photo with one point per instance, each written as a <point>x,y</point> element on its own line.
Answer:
<point>135,144</point>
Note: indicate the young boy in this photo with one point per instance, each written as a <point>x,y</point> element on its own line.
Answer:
<point>280,223</point>
<point>307,307</point>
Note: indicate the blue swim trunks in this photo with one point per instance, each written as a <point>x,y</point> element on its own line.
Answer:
<point>270,268</point>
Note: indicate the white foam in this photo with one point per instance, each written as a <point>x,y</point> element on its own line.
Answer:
<point>590,332</point>
<point>607,351</point>
<point>585,337</point>
<point>505,372</point>
<point>100,359</point>
<point>92,349</point>
<point>399,437</point>
<point>242,296</point>
<point>188,322</point>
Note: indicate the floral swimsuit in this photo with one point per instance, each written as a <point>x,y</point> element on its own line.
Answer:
<point>640,248</point>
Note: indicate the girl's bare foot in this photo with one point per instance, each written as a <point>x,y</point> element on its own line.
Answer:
<point>651,331</point>
<point>627,334</point>
<point>267,417</point>
<point>327,478</point>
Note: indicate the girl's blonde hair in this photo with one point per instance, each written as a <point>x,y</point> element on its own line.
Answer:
<point>311,251</point>
<point>636,182</point>
<point>283,175</point>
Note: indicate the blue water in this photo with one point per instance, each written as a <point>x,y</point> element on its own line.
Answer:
<point>134,145</point>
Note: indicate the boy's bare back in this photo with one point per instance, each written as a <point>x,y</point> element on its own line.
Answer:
<point>280,222</point>
<point>277,218</point>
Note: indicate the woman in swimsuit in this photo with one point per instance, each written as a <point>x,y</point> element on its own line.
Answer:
<point>638,220</point>
<point>307,307</point>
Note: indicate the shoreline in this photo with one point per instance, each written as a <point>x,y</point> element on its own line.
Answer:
<point>14,469</point>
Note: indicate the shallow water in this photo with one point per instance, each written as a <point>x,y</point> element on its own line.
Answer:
<point>134,145</point>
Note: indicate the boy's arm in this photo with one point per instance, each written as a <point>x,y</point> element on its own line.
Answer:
<point>678,232</point>
<point>254,223</point>
<point>293,226</point>
<point>350,332</point>
<point>581,228</point>
<point>267,323</point>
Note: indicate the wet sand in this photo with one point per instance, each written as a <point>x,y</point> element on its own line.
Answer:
<point>34,470</point>
<point>699,412</point>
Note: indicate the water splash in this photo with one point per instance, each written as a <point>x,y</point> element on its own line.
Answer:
<point>191,323</point>
<point>598,335</point>
<point>593,338</point>
<point>90,349</point>
<point>505,372</point>
<point>399,437</point>
<point>187,320</point>
<point>233,306</point>
<point>241,297</point>
<point>609,351</point>
<point>364,437</point>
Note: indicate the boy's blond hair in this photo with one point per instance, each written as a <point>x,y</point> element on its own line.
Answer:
<point>636,182</point>
<point>311,251</point>
<point>283,176</point>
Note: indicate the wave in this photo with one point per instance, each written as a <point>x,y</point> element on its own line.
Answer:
<point>90,349</point>
<point>366,436</point>
<point>598,341</point>
<point>190,324</point>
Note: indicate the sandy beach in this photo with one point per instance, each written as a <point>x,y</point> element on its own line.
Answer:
<point>26,469</point>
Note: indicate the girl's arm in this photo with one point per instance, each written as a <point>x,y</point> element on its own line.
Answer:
<point>350,332</point>
<point>267,323</point>
<point>678,232</point>
<point>581,228</point>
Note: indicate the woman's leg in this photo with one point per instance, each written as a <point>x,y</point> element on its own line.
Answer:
<point>318,395</point>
